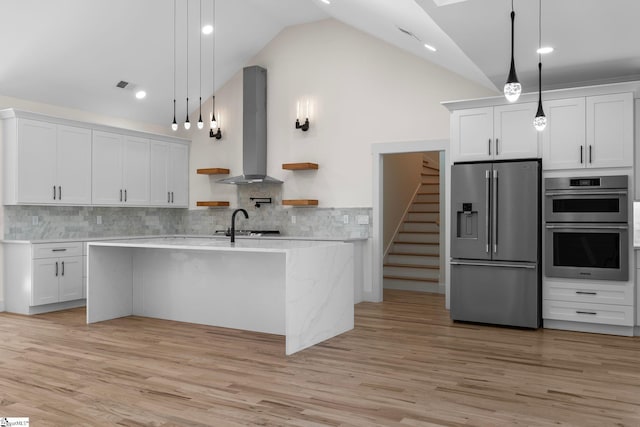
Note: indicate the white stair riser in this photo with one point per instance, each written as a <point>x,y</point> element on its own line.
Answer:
<point>428,216</point>
<point>431,261</point>
<point>425,207</point>
<point>420,226</point>
<point>409,248</point>
<point>427,198</point>
<point>412,285</point>
<point>418,237</point>
<point>413,273</point>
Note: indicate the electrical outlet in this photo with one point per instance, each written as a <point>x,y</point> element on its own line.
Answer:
<point>99,219</point>
<point>293,219</point>
<point>362,219</point>
<point>345,219</point>
<point>34,220</point>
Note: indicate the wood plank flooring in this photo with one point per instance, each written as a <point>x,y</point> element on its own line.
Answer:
<point>404,364</point>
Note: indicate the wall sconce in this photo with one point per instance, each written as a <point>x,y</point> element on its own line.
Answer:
<point>215,125</point>
<point>305,126</point>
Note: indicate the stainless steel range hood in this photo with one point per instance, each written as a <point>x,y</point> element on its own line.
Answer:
<point>254,131</point>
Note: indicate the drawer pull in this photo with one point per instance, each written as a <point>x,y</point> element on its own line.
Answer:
<point>63,268</point>
<point>58,250</point>
<point>56,268</point>
<point>586,293</point>
<point>592,313</point>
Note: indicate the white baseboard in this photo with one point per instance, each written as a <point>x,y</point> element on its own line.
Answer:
<point>588,327</point>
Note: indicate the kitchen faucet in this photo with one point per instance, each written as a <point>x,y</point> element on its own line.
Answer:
<point>233,223</point>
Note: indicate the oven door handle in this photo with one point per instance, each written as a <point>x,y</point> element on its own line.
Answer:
<point>586,193</point>
<point>588,226</point>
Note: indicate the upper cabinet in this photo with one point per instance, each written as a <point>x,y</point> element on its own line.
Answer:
<point>169,171</point>
<point>494,133</point>
<point>120,169</point>
<point>46,163</point>
<point>592,131</point>
<point>51,161</point>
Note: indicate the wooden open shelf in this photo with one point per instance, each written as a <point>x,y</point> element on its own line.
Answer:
<point>299,166</point>
<point>300,202</point>
<point>213,171</point>
<point>213,204</point>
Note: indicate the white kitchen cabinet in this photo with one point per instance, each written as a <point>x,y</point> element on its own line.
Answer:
<point>120,166</point>
<point>57,273</point>
<point>169,172</point>
<point>589,132</point>
<point>52,164</point>
<point>494,133</point>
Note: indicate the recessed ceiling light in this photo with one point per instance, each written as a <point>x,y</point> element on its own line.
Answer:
<point>544,49</point>
<point>431,48</point>
<point>207,29</point>
<point>326,1</point>
<point>141,94</point>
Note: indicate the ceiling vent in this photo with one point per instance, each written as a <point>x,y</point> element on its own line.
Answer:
<point>122,84</point>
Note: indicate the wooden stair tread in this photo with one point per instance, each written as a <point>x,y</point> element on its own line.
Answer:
<point>418,232</point>
<point>421,222</point>
<point>418,243</point>
<point>426,203</point>
<point>413,279</point>
<point>430,174</point>
<point>429,194</point>
<point>412,254</point>
<point>425,267</point>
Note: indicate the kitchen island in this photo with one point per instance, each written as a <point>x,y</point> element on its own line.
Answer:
<point>300,289</point>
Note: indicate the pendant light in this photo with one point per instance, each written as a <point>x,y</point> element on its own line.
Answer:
<point>512,87</point>
<point>187,125</point>
<point>540,121</point>
<point>200,122</point>
<point>174,125</point>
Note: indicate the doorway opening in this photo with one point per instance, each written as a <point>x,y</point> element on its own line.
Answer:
<point>407,219</point>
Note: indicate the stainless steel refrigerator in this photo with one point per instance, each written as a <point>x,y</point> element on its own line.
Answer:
<point>496,243</point>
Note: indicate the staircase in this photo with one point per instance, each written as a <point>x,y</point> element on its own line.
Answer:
<point>413,261</point>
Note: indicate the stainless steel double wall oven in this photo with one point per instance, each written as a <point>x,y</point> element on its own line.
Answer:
<point>587,228</point>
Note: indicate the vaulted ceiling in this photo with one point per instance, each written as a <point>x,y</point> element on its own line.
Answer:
<point>73,52</point>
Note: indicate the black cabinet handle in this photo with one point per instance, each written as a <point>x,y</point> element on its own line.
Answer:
<point>59,192</point>
<point>125,195</point>
<point>59,250</point>
<point>168,196</point>
<point>586,293</point>
<point>63,268</point>
<point>590,156</point>
<point>120,194</point>
<point>592,313</point>
<point>497,146</point>
<point>56,268</point>
<point>172,197</point>
<point>581,150</point>
<point>489,146</point>
<point>54,192</point>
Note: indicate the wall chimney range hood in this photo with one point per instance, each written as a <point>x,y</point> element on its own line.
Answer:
<point>254,129</point>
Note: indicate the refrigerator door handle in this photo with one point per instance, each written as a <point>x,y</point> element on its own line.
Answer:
<point>493,264</point>
<point>487,177</point>
<point>494,217</point>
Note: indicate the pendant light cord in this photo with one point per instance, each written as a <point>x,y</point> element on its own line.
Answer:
<point>513,17</point>
<point>213,63</point>
<point>539,47</point>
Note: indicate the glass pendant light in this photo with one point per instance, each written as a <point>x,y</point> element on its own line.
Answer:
<point>174,125</point>
<point>512,88</point>
<point>540,121</point>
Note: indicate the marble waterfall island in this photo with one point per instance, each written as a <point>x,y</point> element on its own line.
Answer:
<point>300,289</point>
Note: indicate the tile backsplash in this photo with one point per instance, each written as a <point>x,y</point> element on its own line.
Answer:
<point>57,222</point>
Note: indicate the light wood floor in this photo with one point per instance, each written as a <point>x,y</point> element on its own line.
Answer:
<point>404,364</point>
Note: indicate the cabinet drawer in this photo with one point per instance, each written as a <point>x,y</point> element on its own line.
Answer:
<point>590,293</point>
<point>57,250</point>
<point>590,313</point>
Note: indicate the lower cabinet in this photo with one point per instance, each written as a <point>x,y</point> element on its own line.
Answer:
<point>41,277</point>
<point>589,302</point>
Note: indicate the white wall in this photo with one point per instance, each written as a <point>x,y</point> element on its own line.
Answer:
<point>401,179</point>
<point>361,91</point>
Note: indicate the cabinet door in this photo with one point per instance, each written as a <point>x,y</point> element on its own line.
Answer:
<point>36,162</point>
<point>179,174</point>
<point>515,136</point>
<point>158,173</point>
<point>106,164</point>
<point>44,288</point>
<point>73,165</point>
<point>563,139</point>
<point>610,130</point>
<point>472,134</point>
<point>136,171</point>
<point>70,278</point>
